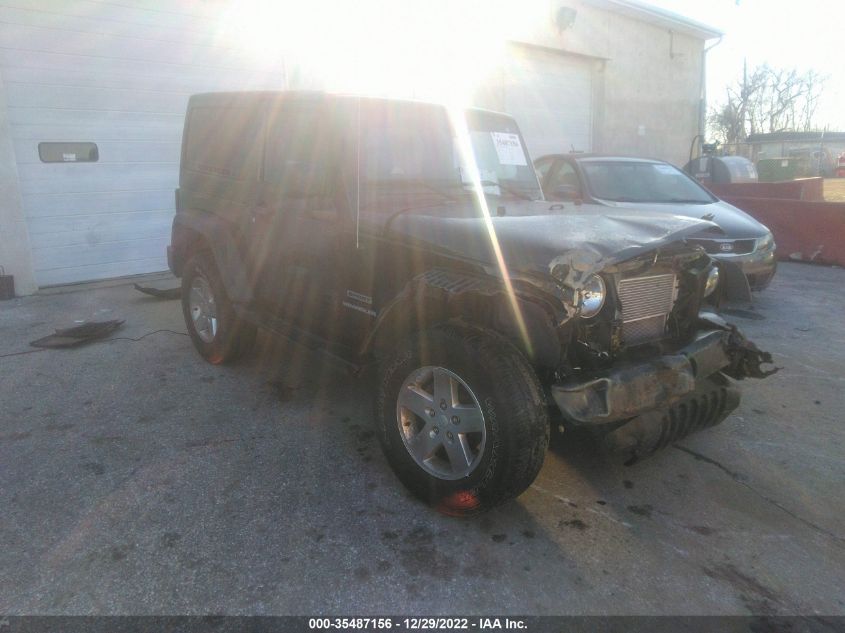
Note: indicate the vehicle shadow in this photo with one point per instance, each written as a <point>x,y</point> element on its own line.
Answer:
<point>397,526</point>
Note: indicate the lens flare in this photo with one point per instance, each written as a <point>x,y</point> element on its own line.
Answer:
<point>467,157</point>
<point>439,50</point>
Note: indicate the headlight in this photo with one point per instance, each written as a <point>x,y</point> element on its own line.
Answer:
<point>592,296</point>
<point>712,281</point>
<point>765,243</point>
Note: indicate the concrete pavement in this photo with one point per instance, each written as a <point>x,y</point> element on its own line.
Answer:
<point>137,479</point>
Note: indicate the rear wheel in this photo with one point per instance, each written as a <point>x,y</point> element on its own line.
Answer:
<point>462,419</point>
<point>215,330</point>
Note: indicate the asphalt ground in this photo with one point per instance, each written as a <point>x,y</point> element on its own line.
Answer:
<point>137,479</point>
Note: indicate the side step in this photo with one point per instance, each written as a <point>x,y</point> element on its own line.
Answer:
<point>337,352</point>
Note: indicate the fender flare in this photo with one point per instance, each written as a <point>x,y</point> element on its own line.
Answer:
<point>438,296</point>
<point>218,238</point>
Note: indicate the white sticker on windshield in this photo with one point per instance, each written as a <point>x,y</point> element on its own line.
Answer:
<point>508,148</point>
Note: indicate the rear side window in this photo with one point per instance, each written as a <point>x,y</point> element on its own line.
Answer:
<point>224,141</point>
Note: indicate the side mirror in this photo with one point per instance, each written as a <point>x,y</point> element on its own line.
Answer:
<point>566,192</point>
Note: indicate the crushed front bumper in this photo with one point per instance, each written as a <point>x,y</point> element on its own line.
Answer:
<point>712,401</point>
<point>630,390</point>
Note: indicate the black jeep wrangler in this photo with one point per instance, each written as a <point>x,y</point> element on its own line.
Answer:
<point>405,236</point>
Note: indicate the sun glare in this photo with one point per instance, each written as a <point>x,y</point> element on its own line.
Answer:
<point>441,51</point>
<point>467,159</point>
<point>438,51</point>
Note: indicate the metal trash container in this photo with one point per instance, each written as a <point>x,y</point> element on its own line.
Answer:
<point>721,170</point>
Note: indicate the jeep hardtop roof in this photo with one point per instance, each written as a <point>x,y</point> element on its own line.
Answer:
<point>232,97</point>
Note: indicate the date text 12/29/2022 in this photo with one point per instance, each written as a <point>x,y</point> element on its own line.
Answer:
<point>418,624</point>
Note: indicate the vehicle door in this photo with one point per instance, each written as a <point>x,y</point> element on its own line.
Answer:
<point>401,157</point>
<point>297,223</point>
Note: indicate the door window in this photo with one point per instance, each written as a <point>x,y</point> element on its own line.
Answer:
<point>301,158</point>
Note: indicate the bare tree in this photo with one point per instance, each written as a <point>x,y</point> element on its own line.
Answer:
<point>767,100</point>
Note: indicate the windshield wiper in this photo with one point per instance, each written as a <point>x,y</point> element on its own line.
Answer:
<point>511,190</point>
<point>411,182</point>
<point>623,199</point>
<point>659,201</point>
<point>442,190</point>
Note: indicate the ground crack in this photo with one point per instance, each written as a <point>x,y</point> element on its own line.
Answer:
<point>738,478</point>
<point>732,474</point>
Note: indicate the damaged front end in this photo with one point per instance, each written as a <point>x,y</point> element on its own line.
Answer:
<point>651,368</point>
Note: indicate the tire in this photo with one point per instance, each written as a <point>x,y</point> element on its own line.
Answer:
<point>221,337</point>
<point>497,454</point>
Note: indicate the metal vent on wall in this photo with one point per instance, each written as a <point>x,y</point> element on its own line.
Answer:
<point>646,304</point>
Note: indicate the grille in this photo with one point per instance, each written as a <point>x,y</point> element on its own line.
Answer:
<point>726,247</point>
<point>646,302</point>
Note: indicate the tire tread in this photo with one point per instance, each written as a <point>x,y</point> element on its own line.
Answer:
<point>519,398</point>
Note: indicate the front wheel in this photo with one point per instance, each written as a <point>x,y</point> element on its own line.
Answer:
<point>462,419</point>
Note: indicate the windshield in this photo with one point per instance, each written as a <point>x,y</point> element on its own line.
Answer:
<point>500,154</point>
<point>409,150</point>
<point>627,181</point>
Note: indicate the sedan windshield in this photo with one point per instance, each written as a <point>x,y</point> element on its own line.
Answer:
<point>627,181</point>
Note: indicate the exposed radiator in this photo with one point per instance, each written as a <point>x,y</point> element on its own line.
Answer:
<point>646,303</point>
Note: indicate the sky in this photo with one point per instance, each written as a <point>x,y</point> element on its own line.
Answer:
<point>803,34</point>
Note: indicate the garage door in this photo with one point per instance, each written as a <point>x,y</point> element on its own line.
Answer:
<point>549,94</point>
<point>118,76</point>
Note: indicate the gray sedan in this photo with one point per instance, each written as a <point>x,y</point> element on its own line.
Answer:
<point>642,183</point>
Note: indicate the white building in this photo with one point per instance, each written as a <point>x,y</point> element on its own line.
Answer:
<point>93,94</point>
